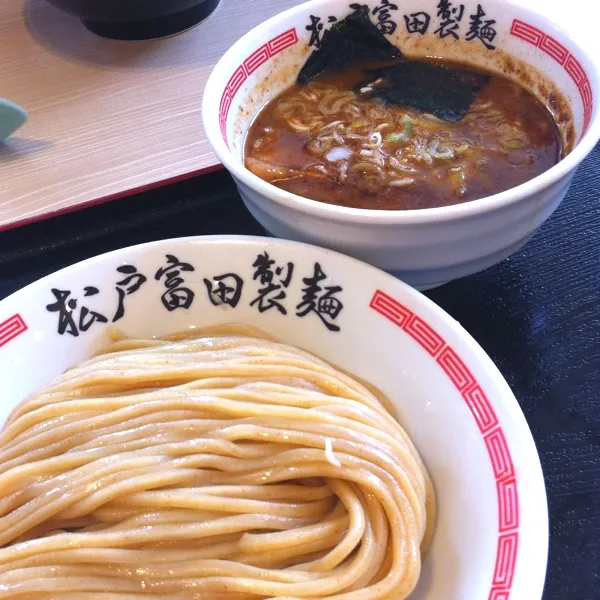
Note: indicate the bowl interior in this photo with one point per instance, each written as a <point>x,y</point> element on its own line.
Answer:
<point>500,37</point>
<point>491,536</point>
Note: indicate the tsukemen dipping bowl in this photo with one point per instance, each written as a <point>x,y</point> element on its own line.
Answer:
<point>429,246</point>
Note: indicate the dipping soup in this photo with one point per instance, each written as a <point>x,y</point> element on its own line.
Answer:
<point>332,141</point>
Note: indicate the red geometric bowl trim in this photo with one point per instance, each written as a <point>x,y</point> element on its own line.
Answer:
<point>487,422</point>
<point>256,59</point>
<point>11,328</point>
<point>536,37</point>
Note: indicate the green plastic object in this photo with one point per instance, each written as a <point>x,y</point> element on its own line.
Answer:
<point>12,116</point>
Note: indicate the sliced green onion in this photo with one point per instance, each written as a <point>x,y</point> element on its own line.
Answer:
<point>407,126</point>
<point>395,137</point>
<point>513,144</point>
<point>401,136</point>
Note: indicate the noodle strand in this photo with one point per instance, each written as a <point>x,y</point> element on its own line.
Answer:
<point>212,464</point>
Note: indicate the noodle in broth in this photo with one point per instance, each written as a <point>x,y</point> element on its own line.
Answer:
<point>329,141</point>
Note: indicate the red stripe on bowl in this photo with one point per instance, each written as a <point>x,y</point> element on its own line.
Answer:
<point>559,53</point>
<point>11,328</point>
<point>425,335</point>
<point>527,32</point>
<point>555,49</point>
<point>487,422</point>
<point>259,57</point>
<point>481,408</point>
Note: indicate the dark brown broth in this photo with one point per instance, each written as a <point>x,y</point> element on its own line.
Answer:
<point>510,138</point>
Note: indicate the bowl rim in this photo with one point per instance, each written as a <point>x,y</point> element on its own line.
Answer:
<point>495,382</point>
<point>331,212</point>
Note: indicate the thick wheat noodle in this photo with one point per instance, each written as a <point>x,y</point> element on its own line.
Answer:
<point>214,464</point>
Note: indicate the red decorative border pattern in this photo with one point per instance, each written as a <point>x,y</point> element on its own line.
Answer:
<point>536,37</point>
<point>487,422</point>
<point>256,59</point>
<point>11,328</point>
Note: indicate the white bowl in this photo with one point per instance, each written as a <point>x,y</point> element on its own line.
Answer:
<point>491,539</point>
<point>424,247</point>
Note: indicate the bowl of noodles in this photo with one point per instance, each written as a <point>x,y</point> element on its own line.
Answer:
<point>234,418</point>
<point>430,139</point>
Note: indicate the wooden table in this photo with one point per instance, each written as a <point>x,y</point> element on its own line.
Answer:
<point>107,118</point>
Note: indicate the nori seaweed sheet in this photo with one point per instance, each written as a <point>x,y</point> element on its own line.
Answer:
<point>350,40</point>
<point>444,91</point>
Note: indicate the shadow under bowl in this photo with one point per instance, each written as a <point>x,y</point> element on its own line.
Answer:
<point>138,19</point>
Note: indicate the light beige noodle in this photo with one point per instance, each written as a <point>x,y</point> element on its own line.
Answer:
<point>214,464</point>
